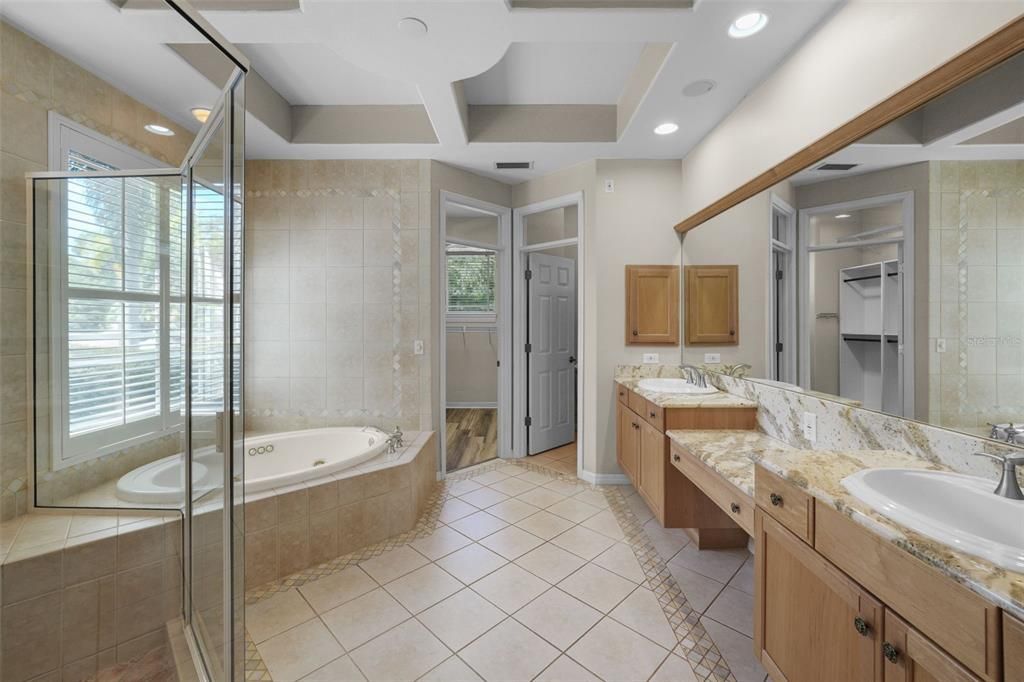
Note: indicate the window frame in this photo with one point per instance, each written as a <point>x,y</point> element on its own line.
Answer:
<point>469,316</point>
<point>66,136</point>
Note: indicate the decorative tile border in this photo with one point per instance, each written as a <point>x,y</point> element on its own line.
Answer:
<point>694,642</point>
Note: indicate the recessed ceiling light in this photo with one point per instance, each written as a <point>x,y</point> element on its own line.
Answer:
<point>159,129</point>
<point>201,114</point>
<point>412,27</point>
<point>841,216</point>
<point>748,24</point>
<point>666,129</point>
<point>698,88</point>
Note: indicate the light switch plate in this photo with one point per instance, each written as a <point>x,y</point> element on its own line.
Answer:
<point>712,358</point>
<point>417,347</point>
<point>810,426</point>
<point>651,359</point>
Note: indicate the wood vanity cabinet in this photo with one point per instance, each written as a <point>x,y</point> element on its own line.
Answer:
<point>652,468</point>
<point>811,622</point>
<point>712,305</point>
<point>652,305</point>
<point>628,436</point>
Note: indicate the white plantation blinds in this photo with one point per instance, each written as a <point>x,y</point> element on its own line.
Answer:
<point>471,279</point>
<point>122,310</point>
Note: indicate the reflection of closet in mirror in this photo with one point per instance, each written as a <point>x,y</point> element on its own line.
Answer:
<point>857,302</point>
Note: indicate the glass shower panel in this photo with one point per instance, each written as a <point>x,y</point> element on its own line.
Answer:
<point>208,245</point>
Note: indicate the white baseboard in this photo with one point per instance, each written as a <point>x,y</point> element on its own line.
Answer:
<point>469,406</point>
<point>602,479</point>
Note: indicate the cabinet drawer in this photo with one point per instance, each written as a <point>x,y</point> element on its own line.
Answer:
<point>960,622</point>
<point>623,393</point>
<point>654,415</point>
<point>911,657</point>
<point>637,403</point>
<point>787,504</point>
<point>730,499</point>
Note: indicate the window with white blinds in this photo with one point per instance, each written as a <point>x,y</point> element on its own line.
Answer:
<point>119,350</point>
<point>471,278</point>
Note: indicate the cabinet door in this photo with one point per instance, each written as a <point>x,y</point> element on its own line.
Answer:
<point>1013,648</point>
<point>627,425</point>
<point>811,622</point>
<point>652,304</point>
<point>712,305</point>
<point>653,459</point>
<point>912,657</point>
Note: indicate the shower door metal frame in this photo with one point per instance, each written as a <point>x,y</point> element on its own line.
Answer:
<point>224,111</point>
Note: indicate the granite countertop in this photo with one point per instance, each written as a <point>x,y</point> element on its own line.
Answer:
<point>820,473</point>
<point>729,453</point>
<point>677,400</point>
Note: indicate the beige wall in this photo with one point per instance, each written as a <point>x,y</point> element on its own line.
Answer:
<point>632,225</point>
<point>33,81</point>
<point>740,236</point>
<point>857,58</point>
<point>338,291</point>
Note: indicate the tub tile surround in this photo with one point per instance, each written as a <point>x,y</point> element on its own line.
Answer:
<point>292,528</point>
<point>83,592</point>
<point>526,613</point>
<point>338,269</point>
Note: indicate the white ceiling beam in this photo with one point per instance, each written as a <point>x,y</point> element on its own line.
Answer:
<point>446,108</point>
<point>362,124</point>
<point>640,82</point>
<point>542,123</point>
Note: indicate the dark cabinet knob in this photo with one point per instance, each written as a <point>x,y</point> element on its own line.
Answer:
<point>732,332</point>
<point>861,626</point>
<point>735,508</point>
<point>635,333</point>
<point>890,652</point>
<point>776,499</point>
<point>675,457</point>
<point>652,415</point>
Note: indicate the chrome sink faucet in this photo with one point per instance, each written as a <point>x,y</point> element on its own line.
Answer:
<point>1008,486</point>
<point>395,440</point>
<point>694,375</point>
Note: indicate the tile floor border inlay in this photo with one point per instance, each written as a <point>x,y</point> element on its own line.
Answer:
<point>694,643</point>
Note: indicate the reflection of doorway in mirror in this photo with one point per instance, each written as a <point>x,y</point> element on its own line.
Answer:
<point>858,306</point>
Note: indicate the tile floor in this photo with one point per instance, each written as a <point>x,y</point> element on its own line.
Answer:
<point>525,575</point>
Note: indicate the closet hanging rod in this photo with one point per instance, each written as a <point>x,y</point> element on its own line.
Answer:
<point>857,279</point>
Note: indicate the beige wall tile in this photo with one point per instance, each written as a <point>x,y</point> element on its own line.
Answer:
<point>31,636</point>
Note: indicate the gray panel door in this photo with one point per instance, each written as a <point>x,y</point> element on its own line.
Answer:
<point>551,334</point>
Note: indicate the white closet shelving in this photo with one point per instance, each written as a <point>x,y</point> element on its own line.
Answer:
<point>870,313</point>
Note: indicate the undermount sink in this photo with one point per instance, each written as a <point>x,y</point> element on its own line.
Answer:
<point>957,510</point>
<point>680,386</point>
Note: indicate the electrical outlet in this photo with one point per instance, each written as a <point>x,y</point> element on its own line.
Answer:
<point>712,358</point>
<point>810,426</point>
<point>940,345</point>
<point>651,359</point>
<point>609,185</point>
<point>417,347</point>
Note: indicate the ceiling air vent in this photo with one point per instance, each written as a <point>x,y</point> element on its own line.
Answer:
<point>836,166</point>
<point>513,165</point>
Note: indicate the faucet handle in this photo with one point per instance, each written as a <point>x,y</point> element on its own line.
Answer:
<point>1015,459</point>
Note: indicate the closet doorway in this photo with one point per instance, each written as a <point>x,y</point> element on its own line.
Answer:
<point>475,303</point>
<point>857,301</point>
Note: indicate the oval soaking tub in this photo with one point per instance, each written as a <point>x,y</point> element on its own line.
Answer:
<point>272,460</point>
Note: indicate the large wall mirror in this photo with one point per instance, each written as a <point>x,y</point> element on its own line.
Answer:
<point>892,272</point>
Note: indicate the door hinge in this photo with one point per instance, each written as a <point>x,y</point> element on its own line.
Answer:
<point>778,274</point>
<point>528,421</point>
<point>528,274</point>
<point>778,348</point>
<point>529,347</point>
<point>499,363</point>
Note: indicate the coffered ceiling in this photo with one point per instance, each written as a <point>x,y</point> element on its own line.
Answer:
<point>553,82</point>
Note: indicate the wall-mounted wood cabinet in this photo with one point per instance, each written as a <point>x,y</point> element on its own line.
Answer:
<point>711,306</point>
<point>652,305</point>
